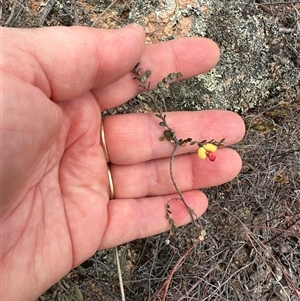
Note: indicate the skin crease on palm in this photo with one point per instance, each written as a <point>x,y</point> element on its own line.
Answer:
<point>55,208</point>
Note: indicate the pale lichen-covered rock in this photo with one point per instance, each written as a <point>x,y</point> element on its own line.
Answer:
<point>255,68</point>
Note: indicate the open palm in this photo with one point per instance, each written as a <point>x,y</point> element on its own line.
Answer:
<point>55,208</point>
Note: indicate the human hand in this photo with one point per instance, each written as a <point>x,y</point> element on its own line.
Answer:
<point>55,208</point>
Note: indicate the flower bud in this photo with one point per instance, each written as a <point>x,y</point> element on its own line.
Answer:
<point>202,153</point>
<point>211,156</point>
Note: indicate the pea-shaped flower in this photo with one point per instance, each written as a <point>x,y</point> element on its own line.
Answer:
<point>210,147</point>
<point>207,150</point>
<point>202,153</point>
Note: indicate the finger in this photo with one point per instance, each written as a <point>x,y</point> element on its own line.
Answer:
<point>131,219</point>
<point>65,62</point>
<point>191,56</point>
<point>153,178</point>
<point>134,138</point>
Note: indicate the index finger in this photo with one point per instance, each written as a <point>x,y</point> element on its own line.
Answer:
<point>66,62</point>
<point>190,56</point>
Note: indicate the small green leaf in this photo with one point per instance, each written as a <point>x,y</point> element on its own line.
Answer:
<point>172,76</point>
<point>144,78</point>
<point>148,73</point>
<point>162,124</point>
<point>169,78</point>
<point>143,95</point>
<point>168,134</point>
<point>152,106</point>
<point>160,85</point>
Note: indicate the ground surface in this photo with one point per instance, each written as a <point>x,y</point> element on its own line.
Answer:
<point>251,250</point>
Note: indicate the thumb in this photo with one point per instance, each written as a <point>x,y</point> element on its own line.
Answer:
<point>65,62</point>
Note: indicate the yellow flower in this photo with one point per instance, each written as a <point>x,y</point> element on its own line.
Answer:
<point>207,150</point>
<point>202,153</point>
<point>210,147</point>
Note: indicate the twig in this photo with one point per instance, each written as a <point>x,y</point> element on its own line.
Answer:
<point>200,280</point>
<point>106,9</point>
<point>166,284</point>
<point>45,12</point>
<point>1,4</point>
<point>190,210</point>
<point>120,274</point>
<point>277,3</point>
<point>12,15</point>
<point>251,240</point>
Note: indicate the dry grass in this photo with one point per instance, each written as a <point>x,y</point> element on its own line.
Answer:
<point>252,247</point>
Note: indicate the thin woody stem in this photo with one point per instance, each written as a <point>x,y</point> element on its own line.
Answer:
<point>169,134</point>
<point>176,145</point>
<point>190,210</point>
